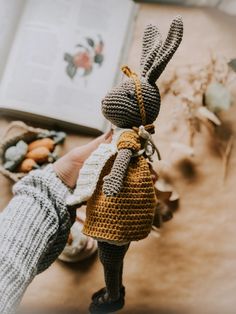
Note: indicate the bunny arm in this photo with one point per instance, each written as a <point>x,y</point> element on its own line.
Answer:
<point>114,180</point>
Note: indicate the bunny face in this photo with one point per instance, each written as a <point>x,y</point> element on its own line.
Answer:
<point>120,105</point>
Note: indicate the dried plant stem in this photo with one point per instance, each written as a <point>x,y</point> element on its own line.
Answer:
<point>226,155</point>
<point>209,126</point>
<point>191,133</point>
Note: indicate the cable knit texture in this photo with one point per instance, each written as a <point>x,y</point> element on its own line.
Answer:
<point>33,231</point>
<point>91,170</point>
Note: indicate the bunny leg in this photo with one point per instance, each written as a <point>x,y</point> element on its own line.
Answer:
<point>121,270</point>
<point>102,291</point>
<point>111,298</point>
<point>111,257</point>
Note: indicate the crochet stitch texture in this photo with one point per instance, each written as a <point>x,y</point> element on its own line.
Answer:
<point>121,208</point>
<point>129,215</point>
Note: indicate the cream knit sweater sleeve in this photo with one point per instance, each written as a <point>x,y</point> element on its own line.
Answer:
<point>33,231</point>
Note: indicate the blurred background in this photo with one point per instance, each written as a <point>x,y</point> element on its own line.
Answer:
<point>224,5</point>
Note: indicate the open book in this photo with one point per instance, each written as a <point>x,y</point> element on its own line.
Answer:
<point>58,58</point>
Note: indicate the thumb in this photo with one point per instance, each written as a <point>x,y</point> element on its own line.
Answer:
<point>80,154</point>
<point>104,138</point>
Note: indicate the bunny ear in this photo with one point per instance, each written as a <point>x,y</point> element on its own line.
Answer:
<point>167,50</point>
<point>151,44</point>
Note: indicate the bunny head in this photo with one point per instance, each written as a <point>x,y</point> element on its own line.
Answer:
<point>136,101</point>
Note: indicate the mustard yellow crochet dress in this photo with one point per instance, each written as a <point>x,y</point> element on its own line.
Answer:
<point>128,216</point>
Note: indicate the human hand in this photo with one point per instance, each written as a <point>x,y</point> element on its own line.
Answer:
<point>67,167</point>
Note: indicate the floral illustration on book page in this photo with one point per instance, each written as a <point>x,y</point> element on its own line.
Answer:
<point>88,56</point>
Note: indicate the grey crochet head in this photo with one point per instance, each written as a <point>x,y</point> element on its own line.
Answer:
<point>121,106</point>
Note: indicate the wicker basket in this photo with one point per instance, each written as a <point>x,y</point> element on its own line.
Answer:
<point>16,130</point>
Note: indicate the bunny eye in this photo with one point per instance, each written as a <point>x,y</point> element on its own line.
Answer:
<point>131,94</point>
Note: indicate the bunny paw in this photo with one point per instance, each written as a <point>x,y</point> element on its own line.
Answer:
<point>110,186</point>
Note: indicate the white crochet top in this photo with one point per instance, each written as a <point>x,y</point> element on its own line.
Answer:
<point>91,170</point>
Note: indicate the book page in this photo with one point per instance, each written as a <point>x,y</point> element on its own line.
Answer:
<point>10,12</point>
<point>65,58</point>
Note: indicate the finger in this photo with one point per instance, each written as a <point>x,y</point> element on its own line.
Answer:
<point>105,138</point>
<point>108,134</point>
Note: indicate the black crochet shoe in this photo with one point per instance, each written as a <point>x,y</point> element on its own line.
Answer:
<point>102,306</point>
<point>102,291</point>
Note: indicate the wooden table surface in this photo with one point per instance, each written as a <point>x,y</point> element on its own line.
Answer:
<point>191,267</point>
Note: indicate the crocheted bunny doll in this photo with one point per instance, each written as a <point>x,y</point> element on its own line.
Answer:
<point>115,180</point>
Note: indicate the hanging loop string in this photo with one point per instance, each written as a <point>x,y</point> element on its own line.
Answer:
<point>145,130</point>
<point>127,71</point>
